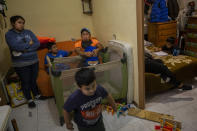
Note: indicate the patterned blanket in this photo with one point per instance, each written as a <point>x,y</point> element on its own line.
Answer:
<point>174,62</point>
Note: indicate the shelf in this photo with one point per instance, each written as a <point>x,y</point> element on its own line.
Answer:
<point>193,40</point>
<point>191,48</point>
<point>188,30</point>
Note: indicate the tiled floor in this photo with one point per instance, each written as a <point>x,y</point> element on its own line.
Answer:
<point>183,105</point>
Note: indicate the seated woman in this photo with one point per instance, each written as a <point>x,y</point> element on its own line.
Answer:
<point>88,48</point>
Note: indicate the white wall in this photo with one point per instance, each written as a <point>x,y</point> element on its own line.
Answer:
<point>117,17</point>
<point>62,19</point>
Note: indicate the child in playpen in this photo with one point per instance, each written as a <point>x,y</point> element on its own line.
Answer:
<point>86,103</point>
<point>88,48</point>
<point>54,53</point>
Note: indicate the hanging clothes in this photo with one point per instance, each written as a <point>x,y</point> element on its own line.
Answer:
<point>159,11</point>
<point>181,4</point>
<point>182,19</point>
<point>147,6</point>
<point>173,9</point>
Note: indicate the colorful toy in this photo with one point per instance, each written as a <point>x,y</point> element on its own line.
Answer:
<point>122,108</point>
<point>15,93</point>
<point>110,109</point>
<point>164,128</point>
<point>168,125</point>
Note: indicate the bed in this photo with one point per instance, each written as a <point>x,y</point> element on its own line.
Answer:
<point>183,67</point>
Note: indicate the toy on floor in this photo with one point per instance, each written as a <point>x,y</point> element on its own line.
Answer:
<point>168,125</point>
<point>148,115</point>
<point>121,108</point>
<point>164,128</point>
<point>110,109</point>
<point>15,93</point>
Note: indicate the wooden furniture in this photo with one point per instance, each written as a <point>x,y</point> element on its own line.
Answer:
<point>182,66</point>
<point>191,37</point>
<point>159,32</point>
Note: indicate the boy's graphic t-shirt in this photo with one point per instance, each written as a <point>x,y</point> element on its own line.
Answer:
<point>60,53</point>
<point>87,109</point>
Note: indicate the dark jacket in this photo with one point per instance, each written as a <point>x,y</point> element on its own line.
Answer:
<point>173,9</point>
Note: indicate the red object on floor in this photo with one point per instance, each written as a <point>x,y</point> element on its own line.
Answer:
<point>165,128</point>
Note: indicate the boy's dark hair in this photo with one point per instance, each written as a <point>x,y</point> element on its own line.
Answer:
<point>85,29</point>
<point>171,40</point>
<point>85,76</point>
<point>50,44</point>
<point>13,19</point>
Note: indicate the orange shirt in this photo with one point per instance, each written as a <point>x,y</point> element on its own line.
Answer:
<point>94,43</point>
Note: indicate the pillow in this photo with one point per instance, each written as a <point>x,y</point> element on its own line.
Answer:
<point>44,41</point>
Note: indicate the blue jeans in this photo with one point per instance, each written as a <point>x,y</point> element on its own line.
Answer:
<point>28,76</point>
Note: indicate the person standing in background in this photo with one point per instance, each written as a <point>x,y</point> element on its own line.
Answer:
<point>23,45</point>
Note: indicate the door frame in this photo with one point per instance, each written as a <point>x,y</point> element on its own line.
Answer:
<point>140,50</point>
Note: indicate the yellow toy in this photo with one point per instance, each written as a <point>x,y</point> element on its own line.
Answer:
<point>16,94</point>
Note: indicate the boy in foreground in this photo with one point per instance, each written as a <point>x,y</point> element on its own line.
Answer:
<point>86,103</point>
